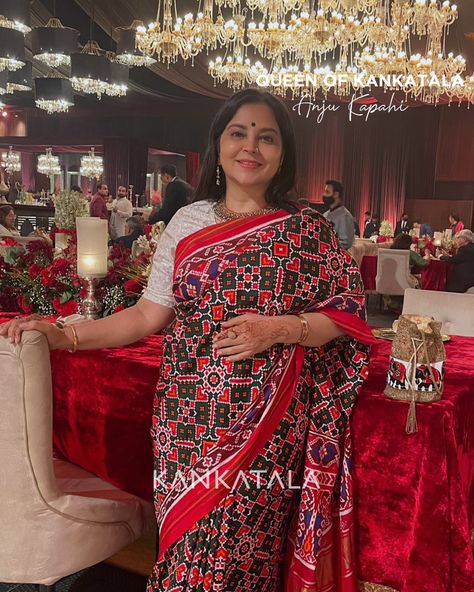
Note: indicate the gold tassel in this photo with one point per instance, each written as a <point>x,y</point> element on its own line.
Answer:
<point>411,425</point>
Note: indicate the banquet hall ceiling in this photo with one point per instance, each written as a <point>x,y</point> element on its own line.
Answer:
<point>181,81</point>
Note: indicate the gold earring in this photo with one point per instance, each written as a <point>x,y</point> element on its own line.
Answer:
<point>218,175</point>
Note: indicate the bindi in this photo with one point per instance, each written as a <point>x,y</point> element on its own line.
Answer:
<point>253,124</point>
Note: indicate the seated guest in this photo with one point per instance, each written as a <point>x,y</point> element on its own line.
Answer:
<point>98,207</point>
<point>456,224</point>
<point>7,221</point>
<point>461,276</point>
<point>134,230</point>
<point>177,195</point>
<point>122,209</point>
<point>372,226</point>
<point>403,226</point>
<point>403,241</point>
<point>425,229</point>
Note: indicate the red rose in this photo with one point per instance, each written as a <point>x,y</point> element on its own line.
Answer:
<point>47,278</point>
<point>61,265</point>
<point>65,309</point>
<point>132,287</point>
<point>34,270</point>
<point>24,307</point>
<point>119,308</point>
<point>10,242</point>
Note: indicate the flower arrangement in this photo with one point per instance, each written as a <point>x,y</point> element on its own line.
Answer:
<point>69,206</point>
<point>38,279</point>
<point>386,229</point>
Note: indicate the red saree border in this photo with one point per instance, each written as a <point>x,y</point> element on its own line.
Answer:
<point>198,501</point>
<point>205,237</point>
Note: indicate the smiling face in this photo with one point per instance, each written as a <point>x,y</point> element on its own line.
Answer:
<point>250,147</point>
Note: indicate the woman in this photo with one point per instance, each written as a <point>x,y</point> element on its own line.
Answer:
<point>461,278</point>
<point>404,242</point>
<point>456,224</point>
<point>7,221</point>
<point>263,358</point>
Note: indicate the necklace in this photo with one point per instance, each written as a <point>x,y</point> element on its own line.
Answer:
<point>223,213</point>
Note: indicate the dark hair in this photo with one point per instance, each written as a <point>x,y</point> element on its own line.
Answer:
<point>76,188</point>
<point>168,169</point>
<point>455,217</point>
<point>4,211</point>
<point>367,213</point>
<point>135,222</point>
<point>375,217</point>
<point>402,241</point>
<point>404,214</point>
<point>416,221</point>
<point>101,184</point>
<point>281,190</point>
<point>337,186</point>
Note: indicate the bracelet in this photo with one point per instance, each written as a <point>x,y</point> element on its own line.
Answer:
<point>75,341</point>
<point>304,329</point>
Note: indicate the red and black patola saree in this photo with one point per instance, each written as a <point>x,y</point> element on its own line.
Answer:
<point>252,459</point>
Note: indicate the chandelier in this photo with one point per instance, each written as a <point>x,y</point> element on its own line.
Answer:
<point>92,165</point>
<point>53,44</point>
<point>11,161</point>
<point>94,72</point>
<point>12,48</point>
<point>20,80</point>
<point>127,52</point>
<point>48,164</point>
<point>54,95</point>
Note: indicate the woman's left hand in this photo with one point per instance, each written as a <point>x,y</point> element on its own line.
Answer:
<point>246,335</point>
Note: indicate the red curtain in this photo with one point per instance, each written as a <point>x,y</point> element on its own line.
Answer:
<point>193,161</point>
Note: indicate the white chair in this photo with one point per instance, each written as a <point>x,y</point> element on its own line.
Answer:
<point>455,311</point>
<point>393,272</point>
<point>55,518</point>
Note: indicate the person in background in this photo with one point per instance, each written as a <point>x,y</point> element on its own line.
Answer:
<point>76,189</point>
<point>367,219</point>
<point>98,207</point>
<point>403,241</point>
<point>372,227</point>
<point>337,214</point>
<point>461,277</point>
<point>177,195</point>
<point>456,224</point>
<point>403,226</point>
<point>7,221</point>
<point>425,229</point>
<point>133,230</point>
<point>356,228</point>
<point>122,209</point>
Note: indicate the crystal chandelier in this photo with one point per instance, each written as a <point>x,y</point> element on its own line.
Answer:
<point>92,165</point>
<point>127,52</point>
<point>48,164</point>
<point>12,47</point>
<point>11,161</point>
<point>53,44</point>
<point>53,95</point>
<point>94,72</point>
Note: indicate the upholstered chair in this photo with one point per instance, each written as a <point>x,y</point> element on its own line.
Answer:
<point>455,311</point>
<point>55,518</point>
<point>393,272</point>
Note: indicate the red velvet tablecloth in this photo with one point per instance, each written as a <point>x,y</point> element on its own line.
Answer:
<point>414,494</point>
<point>433,277</point>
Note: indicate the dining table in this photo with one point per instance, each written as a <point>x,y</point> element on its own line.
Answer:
<point>414,494</point>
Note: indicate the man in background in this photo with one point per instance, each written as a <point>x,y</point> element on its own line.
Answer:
<point>403,226</point>
<point>121,210</point>
<point>134,229</point>
<point>372,227</point>
<point>337,214</point>
<point>424,229</point>
<point>177,195</point>
<point>98,207</point>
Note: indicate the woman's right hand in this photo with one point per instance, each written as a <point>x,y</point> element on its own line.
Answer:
<point>57,338</point>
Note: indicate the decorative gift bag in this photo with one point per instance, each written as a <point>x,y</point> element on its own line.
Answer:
<point>416,368</point>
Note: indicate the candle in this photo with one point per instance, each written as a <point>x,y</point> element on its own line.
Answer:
<point>92,249</point>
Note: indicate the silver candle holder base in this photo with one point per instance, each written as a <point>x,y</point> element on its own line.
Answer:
<point>90,306</point>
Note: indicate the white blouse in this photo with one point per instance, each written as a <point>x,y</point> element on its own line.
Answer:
<point>186,221</point>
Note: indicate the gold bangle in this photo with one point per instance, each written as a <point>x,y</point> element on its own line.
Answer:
<point>75,341</point>
<point>304,329</point>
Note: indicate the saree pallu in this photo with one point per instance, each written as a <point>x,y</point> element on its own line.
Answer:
<point>252,458</point>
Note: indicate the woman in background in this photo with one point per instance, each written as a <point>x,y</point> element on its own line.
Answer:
<point>7,221</point>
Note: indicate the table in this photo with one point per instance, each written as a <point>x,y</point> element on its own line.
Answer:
<point>414,504</point>
<point>433,277</point>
